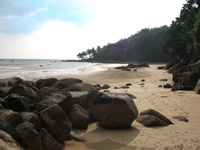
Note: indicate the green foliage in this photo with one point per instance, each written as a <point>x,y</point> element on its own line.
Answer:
<point>146,45</point>
<point>183,39</point>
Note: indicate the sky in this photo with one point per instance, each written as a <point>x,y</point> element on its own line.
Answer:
<point>60,29</point>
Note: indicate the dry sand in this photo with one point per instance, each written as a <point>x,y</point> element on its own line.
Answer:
<point>181,135</point>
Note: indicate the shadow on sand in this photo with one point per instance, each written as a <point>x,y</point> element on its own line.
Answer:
<point>110,139</point>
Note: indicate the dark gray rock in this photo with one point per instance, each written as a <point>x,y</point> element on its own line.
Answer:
<point>81,87</point>
<point>10,82</point>
<point>197,87</point>
<point>29,136</point>
<point>65,83</point>
<point>126,69</point>
<point>97,87</point>
<point>4,91</point>
<point>106,86</point>
<point>45,82</point>
<point>157,114</point>
<point>32,118</point>
<point>17,103</point>
<point>114,110</point>
<point>167,86</point>
<point>56,122</point>
<point>161,67</point>
<point>23,91</point>
<point>78,117</point>
<point>163,79</point>
<point>181,118</point>
<point>150,121</point>
<point>9,120</point>
<point>50,96</point>
<point>7,142</point>
<point>190,78</point>
<point>49,143</point>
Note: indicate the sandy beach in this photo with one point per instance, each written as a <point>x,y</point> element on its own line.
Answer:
<point>179,136</point>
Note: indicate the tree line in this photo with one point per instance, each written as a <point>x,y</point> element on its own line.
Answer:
<point>183,40</point>
<point>180,40</point>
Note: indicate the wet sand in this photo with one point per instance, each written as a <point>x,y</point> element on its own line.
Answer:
<point>180,136</point>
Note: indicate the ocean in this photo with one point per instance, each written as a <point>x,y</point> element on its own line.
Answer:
<point>31,69</point>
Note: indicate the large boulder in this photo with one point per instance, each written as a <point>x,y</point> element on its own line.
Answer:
<point>197,87</point>
<point>4,91</point>
<point>49,143</point>
<point>7,142</point>
<point>9,120</point>
<point>150,118</point>
<point>16,102</point>
<point>51,96</point>
<point>190,78</point>
<point>78,117</point>
<point>56,122</point>
<point>114,110</point>
<point>46,82</point>
<point>32,118</point>
<point>29,136</point>
<point>83,98</point>
<point>65,83</point>
<point>10,82</point>
<point>81,87</point>
<point>23,91</point>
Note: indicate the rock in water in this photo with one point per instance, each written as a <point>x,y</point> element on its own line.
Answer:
<point>114,110</point>
<point>56,122</point>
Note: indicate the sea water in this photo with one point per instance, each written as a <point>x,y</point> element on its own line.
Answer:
<point>30,69</point>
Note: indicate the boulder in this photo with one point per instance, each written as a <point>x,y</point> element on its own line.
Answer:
<point>150,121</point>
<point>16,102</point>
<point>4,91</point>
<point>7,142</point>
<point>45,82</point>
<point>10,82</point>
<point>23,91</point>
<point>1,106</point>
<point>56,122</point>
<point>190,78</point>
<point>157,114</point>
<point>31,85</point>
<point>65,83</point>
<point>29,136</point>
<point>50,96</point>
<point>78,117</point>
<point>176,77</point>
<point>9,120</point>
<point>81,87</point>
<point>197,87</point>
<point>97,87</point>
<point>114,110</point>
<point>32,118</point>
<point>83,98</point>
<point>49,143</point>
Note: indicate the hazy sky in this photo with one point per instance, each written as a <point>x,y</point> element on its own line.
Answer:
<point>60,29</point>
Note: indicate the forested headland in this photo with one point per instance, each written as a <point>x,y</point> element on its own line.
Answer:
<point>179,41</point>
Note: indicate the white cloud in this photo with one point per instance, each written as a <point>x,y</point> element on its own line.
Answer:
<point>116,20</point>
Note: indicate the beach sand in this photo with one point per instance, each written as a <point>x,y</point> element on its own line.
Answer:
<point>179,136</point>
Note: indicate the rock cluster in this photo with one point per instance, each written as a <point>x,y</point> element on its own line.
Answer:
<point>131,66</point>
<point>186,75</point>
<point>40,115</point>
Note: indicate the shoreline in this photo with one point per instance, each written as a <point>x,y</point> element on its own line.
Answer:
<point>180,135</point>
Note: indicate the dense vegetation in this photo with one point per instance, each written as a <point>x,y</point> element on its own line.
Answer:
<point>145,45</point>
<point>184,33</point>
<point>181,40</point>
